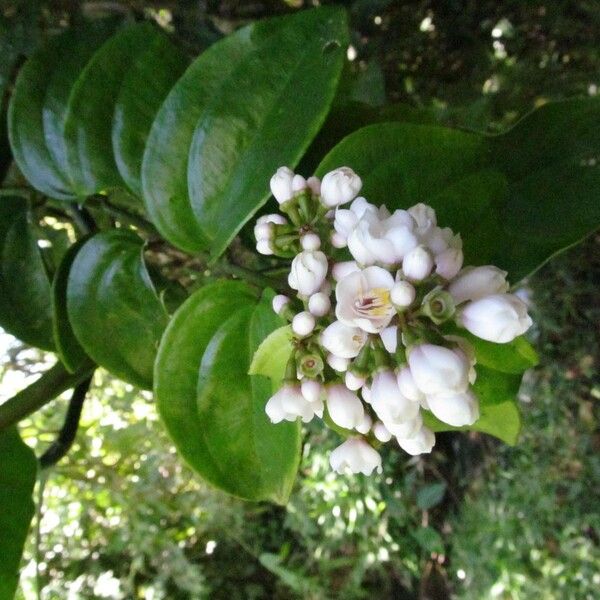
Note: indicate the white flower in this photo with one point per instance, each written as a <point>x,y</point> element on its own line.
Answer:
<point>405,429</point>
<point>311,390</point>
<point>365,425</point>
<point>423,215</point>
<point>449,262</point>
<point>353,382</point>
<point>310,241</point>
<point>365,392</point>
<point>337,363</point>
<point>303,323</point>
<point>298,183</point>
<point>340,186</point>
<point>346,218</point>
<point>499,318</point>
<point>389,337</point>
<point>381,432</point>
<point>473,283</point>
<point>390,405</point>
<point>265,247</point>
<point>402,294</point>
<point>421,442</point>
<point>343,341</point>
<point>455,408</point>
<point>344,406</point>
<point>363,299</point>
<point>408,387</point>
<point>288,404</point>
<point>279,303</point>
<point>417,264</point>
<point>355,455</point>
<point>342,269</point>
<point>319,304</point>
<point>436,369</point>
<point>281,184</point>
<point>308,272</point>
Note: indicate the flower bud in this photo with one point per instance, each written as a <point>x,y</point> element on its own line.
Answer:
<point>310,241</point>
<point>308,272</point>
<point>311,390</point>
<point>288,404</point>
<point>402,294</point>
<point>314,184</point>
<point>436,369</point>
<point>408,387</point>
<point>353,382</point>
<point>417,264</point>
<point>456,408</point>
<point>264,246</point>
<point>298,183</point>
<point>473,283</point>
<point>303,324</point>
<point>449,262</point>
<point>337,240</point>
<point>405,429</point>
<point>423,214</point>
<point>319,304</point>
<point>279,303</point>
<point>365,392</point>
<point>340,186</point>
<point>356,456</point>
<point>499,318</point>
<point>343,341</point>
<point>365,425</point>
<point>338,363</point>
<point>344,406</point>
<point>264,231</point>
<point>380,431</point>
<point>281,184</point>
<point>387,401</point>
<point>342,269</point>
<point>420,443</point>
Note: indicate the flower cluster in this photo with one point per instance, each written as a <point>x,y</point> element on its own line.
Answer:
<point>381,299</point>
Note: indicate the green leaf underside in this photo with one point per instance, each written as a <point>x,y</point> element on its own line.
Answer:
<point>25,295</point>
<point>516,198</point>
<point>71,353</point>
<point>147,82</point>
<point>18,468</point>
<point>263,115</point>
<point>271,356</point>
<point>113,307</point>
<point>88,127</point>
<point>222,431</point>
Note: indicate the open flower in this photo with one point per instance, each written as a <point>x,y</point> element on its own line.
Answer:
<point>342,340</point>
<point>422,442</point>
<point>288,404</point>
<point>355,455</point>
<point>363,299</point>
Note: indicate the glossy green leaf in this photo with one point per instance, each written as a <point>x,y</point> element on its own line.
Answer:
<point>517,198</point>
<point>431,495</point>
<point>25,123</point>
<point>214,410</point>
<point>264,114</point>
<point>88,125</point>
<point>500,416</point>
<point>271,356</point>
<point>18,468</point>
<point>113,307</point>
<point>71,353</point>
<point>25,296</point>
<point>150,77</point>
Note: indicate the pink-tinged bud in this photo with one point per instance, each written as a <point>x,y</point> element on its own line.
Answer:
<point>456,408</point>
<point>281,184</point>
<point>355,455</point>
<point>303,324</point>
<point>340,186</point>
<point>319,304</point>
<point>499,318</point>
<point>437,370</point>
<point>417,264</point>
<point>344,406</point>
<point>420,443</point>
<point>279,303</point>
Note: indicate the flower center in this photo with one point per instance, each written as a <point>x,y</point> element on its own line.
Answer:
<point>374,303</point>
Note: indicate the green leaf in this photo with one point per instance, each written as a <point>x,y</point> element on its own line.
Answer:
<point>89,119</point>
<point>430,495</point>
<point>270,358</point>
<point>429,539</point>
<point>18,468</point>
<point>150,77</point>
<point>113,307</point>
<point>500,414</point>
<point>212,408</point>
<point>264,114</point>
<point>25,297</point>
<point>71,353</point>
<point>517,198</point>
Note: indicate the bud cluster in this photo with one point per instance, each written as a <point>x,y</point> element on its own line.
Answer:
<point>374,336</point>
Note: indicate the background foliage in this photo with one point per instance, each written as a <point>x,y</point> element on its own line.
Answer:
<point>124,518</point>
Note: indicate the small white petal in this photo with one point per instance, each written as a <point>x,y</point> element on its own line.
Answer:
<point>303,324</point>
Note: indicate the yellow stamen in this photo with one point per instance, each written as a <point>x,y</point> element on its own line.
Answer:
<point>375,303</point>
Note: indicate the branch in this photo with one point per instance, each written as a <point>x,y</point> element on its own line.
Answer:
<point>51,384</point>
<point>66,437</point>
